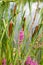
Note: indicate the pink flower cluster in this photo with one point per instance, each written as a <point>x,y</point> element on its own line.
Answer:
<point>4,61</point>
<point>21,36</point>
<point>29,61</point>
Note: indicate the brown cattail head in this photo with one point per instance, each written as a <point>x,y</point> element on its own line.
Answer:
<point>23,23</point>
<point>23,27</point>
<point>15,9</point>
<point>24,18</point>
<point>36,30</point>
<point>10,28</point>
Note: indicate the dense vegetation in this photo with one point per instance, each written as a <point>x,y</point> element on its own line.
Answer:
<point>34,48</point>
